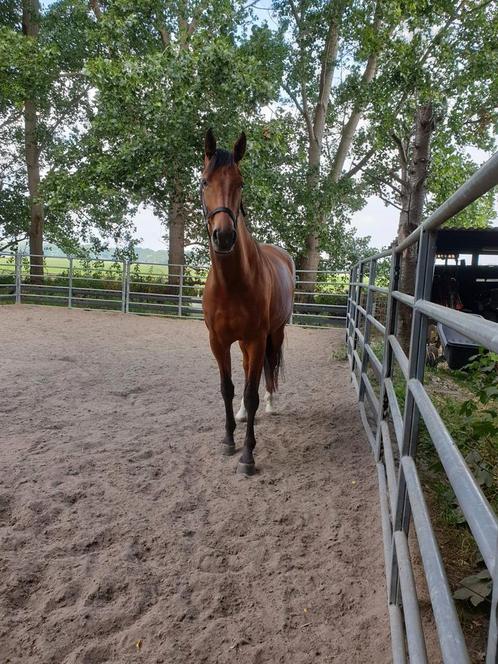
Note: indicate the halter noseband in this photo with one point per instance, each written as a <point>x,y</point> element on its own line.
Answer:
<point>228,211</point>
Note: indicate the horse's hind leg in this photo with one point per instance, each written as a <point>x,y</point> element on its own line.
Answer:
<point>273,358</point>
<point>222,355</point>
<point>241,415</point>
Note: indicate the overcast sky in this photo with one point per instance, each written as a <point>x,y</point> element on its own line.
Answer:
<point>375,219</point>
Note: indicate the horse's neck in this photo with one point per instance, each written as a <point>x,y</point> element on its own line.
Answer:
<point>239,268</point>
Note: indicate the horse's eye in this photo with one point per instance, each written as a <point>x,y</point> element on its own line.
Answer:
<point>242,185</point>
<point>204,182</point>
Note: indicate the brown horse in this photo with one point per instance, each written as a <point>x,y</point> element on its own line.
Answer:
<point>248,295</point>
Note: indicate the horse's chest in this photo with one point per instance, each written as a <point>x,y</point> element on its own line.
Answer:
<point>237,319</point>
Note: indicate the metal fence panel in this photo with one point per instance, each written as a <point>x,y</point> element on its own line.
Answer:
<point>154,288</point>
<point>400,489</point>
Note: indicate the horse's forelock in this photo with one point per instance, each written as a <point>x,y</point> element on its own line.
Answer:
<point>219,159</point>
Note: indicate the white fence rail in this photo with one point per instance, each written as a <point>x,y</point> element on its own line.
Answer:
<point>151,288</point>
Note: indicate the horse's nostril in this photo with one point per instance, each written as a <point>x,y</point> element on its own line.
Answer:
<point>223,239</point>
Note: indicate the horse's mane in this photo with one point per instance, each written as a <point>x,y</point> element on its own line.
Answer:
<point>219,159</point>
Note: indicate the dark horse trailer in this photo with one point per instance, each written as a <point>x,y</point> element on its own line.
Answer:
<point>467,280</point>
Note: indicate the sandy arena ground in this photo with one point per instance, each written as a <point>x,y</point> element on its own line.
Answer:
<point>126,537</point>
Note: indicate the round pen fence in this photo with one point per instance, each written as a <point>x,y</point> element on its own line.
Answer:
<point>152,288</point>
<point>369,301</point>
<point>393,425</point>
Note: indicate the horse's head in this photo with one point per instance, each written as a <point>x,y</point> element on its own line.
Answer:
<point>221,192</point>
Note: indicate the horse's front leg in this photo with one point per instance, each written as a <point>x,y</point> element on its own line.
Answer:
<point>221,351</point>
<point>255,357</point>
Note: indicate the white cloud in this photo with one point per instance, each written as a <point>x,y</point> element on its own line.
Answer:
<point>378,221</point>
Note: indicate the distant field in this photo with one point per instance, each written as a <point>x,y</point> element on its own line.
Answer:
<point>108,269</point>
<point>55,266</point>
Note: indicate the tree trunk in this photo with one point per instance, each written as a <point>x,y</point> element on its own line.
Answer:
<point>413,192</point>
<point>176,249</point>
<point>310,260</point>
<point>31,27</point>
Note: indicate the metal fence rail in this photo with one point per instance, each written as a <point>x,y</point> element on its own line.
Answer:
<point>152,288</point>
<point>393,434</point>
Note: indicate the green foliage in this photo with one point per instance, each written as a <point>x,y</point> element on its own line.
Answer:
<point>450,168</point>
<point>481,413</point>
<point>153,104</point>
<point>123,99</point>
<point>49,71</point>
<point>447,61</point>
<point>467,402</point>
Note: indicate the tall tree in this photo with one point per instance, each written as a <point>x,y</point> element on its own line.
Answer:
<point>356,72</point>
<point>167,71</point>
<point>332,63</point>
<point>414,170</point>
<point>44,102</point>
<point>444,104</point>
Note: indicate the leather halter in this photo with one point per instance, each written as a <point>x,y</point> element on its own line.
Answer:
<point>209,214</point>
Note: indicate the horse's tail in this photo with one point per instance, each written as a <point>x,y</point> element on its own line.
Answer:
<point>274,364</point>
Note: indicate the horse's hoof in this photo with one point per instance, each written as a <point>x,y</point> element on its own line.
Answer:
<point>227,450</point>
<point>246,468</point>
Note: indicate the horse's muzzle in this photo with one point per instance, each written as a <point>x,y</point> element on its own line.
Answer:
<point>223,240</point>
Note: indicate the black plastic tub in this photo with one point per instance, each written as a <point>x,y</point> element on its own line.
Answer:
<point>457,349</point>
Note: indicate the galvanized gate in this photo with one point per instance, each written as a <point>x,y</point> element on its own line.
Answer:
<point>393,434</point>
<point>153,288</point>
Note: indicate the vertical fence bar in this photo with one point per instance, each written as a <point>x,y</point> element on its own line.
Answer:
<point>352,313</point>
<point>372,272</point>
<point>418,345</point>
<point>127,286</point>
<point>411,419</point>
<point>394,598</point>
<point>18,273</point>
<point>350,308</point>
<point>180,292</point>
<point>123,288</point>
<point>293,296</point>
<point>296,291</point>
<point>391,317</point>
<point>70,283</point>
<point>356,319</point>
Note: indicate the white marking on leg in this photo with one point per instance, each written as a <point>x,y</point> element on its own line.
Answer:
<point>269,408</point>
<point>242,413</point>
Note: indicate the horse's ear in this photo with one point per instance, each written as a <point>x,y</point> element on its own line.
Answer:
<point>209,143</point>
<point>239,148</point>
